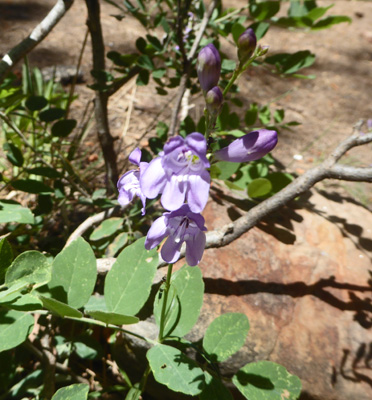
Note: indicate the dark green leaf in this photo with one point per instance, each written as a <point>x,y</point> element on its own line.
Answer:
<point>15,326</point>
<point>143,78</point>
<point>279,180</point>
<point>6,257</point>
<point>13,154</point>
<point>113,318</point>
<point>106,228</point>
<point>278,115</point>
<point>214,389</point>
<point>260,29</point>
<point>32,186</point>
<point>173,369</point>
<point>251,115</point>
<point>291,63</point>
<point>227,169</point>
<point>78,391</point>
<point>265,380</point>
<point>331,20</point>
<point>51,114</point>
<point>259,187</point>
<point>59,308</point>
<point>35,103</point>
<point>264,10</point>
<point>236,30</point>
<point>64,127</point>
<point>44,171</point>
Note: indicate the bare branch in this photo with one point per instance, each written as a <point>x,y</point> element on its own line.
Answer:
<point>36,36</point>
<point>101,99</point>
<point>187,69</point>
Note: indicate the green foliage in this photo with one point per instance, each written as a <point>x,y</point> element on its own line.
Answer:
<point>78,391</point>
<point>15,328</point>
<point>11,211</point>
<point>225,336</point>
<point>265,380</point>
<point>6,258</point>
<point>128,283</point>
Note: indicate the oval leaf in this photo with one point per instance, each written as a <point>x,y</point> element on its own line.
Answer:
<point>107,228</point>
<point>185,300</point>
<point>259,187</point>
<point>35,103</point>
<point>30,267</point>
<point>59,308</point>
<point>128,283</point>
<point>265,380</point>
<point>225,336</point>
<point>6,258</point>
<point>173,369</point>
<point>78,391</point>
<point>15,326</point>
<point>32,186</point>
<point>214,389</point>
<point>113,318</point>
<point>11,211</point>
<point>74,274</point>
<point>51,114</point>
<point>64,127</point>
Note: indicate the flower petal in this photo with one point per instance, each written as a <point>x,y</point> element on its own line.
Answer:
<point>197,143</point>
<point>173,143</point>
<point>170,252</point>
<point>250,147</point>
<point>195,249</point>
<point>197,194</point>
<point>156,233</point>
<point>153,179</point>
<point>174,194</point>
<point>135,156</point>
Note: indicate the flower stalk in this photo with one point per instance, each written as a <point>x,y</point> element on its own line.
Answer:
<point>165,299</point>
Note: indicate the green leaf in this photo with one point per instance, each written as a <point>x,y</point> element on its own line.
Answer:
<point>44,171</point>
<point>214,389</point>
<point>95,302</point>
<point>145,62</point>
<point>30,267</point>
<point>24,302</point>
<point>251,115</point>
<point>113,318</point>
<point>259,187</point>
<point>6,257</point>
<point>106,228</point>
<point>173,369</point>
<point>265,380</point>
<point>11,211</point>
<point>64,127</point>
<point>32,186</point>
<point>128,283</point>
<point>35,103</point>
<point>260,29</point>
<point>331,20</point>
<point>228,66</point>
<point>226,168</point>
<point>13,292</point>
<point>15,326</point>
<point>287,63</point>
<point>87,347</point>
<point>236,30</point>
<point>184,301</point>
<point>74,274</point>
<point>51,114</point>
<point>279,180</point>
<point>78,391</point>
<point>143,78</point>
<point>14,154</point>
<point>225,336</point>
<point>264,10</point>
<point>59,308</point>
<point>117,244</point>
<point>318,12</point>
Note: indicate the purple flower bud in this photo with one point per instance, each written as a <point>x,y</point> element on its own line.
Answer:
<point>129,184</point>
<point>179,173</point>
<point>246,45</point>
<point>180,226</point>
<point>214,100</point>
<point>250,147</point>
<point>208,67</point>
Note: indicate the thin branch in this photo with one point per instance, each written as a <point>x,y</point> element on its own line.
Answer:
<point>187,67</point>
<point>101,99</point>
<point>36,36</point>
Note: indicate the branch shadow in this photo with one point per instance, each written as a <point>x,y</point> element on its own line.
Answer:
<point>23,11</point>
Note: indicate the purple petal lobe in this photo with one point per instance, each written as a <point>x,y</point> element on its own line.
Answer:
<point>153,179</point>
<point>156,233</point>
<point>135,156</point>
<point>195,248</point>
<point>174,193</point>
<point>250,147</point>
<point>170,251</point>
<point>197,195</point>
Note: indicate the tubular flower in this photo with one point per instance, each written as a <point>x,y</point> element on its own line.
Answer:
<point>179,173</point>
<point>249,147</point>
<point>209,67</point>
<point>179,226</point>
<point>129,184</point>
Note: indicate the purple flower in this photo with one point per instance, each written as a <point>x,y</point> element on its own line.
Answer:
<point>250,147</point>
<point>209,67</point>
<point>214,100</point>
<point>247,43</point>
<point>129,184</point>
<point>180,226</point>
<point>179,173</point>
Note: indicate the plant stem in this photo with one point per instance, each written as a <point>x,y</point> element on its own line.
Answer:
<point>163,309</point>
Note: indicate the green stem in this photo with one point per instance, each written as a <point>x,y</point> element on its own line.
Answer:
<point>145,375</point>
<point>234,77</point>
<point>165,299</point>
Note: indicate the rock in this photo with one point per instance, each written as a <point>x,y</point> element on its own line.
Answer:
<point>303,279</point>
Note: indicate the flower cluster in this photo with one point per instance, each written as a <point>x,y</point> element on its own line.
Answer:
<point>180,172</point>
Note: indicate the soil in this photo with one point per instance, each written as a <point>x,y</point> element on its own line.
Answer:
<point>327,107</point>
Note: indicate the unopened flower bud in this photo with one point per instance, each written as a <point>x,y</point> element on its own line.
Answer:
<point>249,147</point>
<point>214,100</point>
<point>209,67</point>
<point>246,45</point>
<point>262,50</point>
